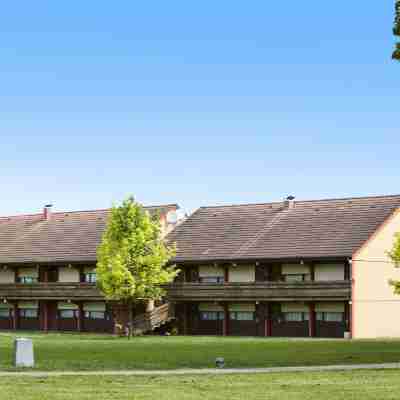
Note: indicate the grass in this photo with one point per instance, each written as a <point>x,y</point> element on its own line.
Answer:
<point>366,385</point>
<point>97,352</point>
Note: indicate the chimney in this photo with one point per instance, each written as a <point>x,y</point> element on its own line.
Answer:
<point>289,203</point>
<point>47,212</point>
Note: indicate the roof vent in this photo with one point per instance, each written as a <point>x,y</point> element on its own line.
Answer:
<point>47,212</point>
<point>289,202</point>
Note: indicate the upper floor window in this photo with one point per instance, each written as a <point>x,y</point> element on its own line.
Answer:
<point>90,277</point>
<point>27,279</point>
<point>212,279</point>
<point>296,277</point>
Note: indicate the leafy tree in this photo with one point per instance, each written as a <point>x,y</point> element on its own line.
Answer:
<point>396,30</point>
<point>394,254</point>
<point>132,258</point>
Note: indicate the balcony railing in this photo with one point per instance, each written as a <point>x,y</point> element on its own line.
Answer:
<point>50,291</point>
<point>260,291</point>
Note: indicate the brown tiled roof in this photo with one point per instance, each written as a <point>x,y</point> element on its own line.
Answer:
<point>66,237</point>
<point>312,229</point>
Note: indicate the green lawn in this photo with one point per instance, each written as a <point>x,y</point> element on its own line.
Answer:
<point>365,385</point>
<point>91,352</point>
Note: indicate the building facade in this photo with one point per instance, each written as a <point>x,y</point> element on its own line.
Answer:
<point>47,271</point>
<point>286,269</point>
<point>290,269</point>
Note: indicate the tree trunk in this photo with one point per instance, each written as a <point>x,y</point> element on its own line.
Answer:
<point>130,319</point>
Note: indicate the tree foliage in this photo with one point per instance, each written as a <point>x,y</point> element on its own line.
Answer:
<point>396,30</point>
<point>394,254</point>
<point>132,257</point>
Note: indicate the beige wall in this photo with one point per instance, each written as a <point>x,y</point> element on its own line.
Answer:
<point>242,273</point>
<point>210,307</point>
<point>210,270</point>
<point>28,304</point>
<point>242,307</point>
<point>34,272</point>
<point>294,307</point>
<point>94,306</point>
<point>329,272</point>
<point>66,274</point>
<point>7,276</point>
<point>295,269</point>
<point>374,306</point>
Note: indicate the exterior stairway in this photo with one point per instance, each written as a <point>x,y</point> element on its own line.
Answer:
<point>149,321</point>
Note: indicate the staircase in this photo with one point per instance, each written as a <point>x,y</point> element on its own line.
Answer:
<point>149,321</point>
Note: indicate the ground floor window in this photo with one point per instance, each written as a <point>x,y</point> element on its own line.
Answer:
<point>295,316</point>
<point>6,313</point>
<point>67,314</point>
<point>242,315</point>
<point>211,315</point>
<point>95,314</point>
<point>330,316</point>
<point>90,277</point>
<point>28,312</point>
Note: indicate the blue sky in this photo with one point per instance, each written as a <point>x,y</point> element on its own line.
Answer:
<point>198,103</point>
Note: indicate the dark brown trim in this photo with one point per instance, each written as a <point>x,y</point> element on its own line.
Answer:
<point>311,319</point>
<point>225,325</point>
<point>226,274</point>
<point>312,271</point>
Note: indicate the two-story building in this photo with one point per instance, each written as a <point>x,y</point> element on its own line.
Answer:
<point>47,270</point>
<point>293,268</point>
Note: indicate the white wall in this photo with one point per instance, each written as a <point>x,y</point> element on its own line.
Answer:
<point>375,308</point>
<point>242,273</point>
<point>66,274</point>
<point>329,272</point>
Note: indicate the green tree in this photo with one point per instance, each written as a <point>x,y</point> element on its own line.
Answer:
<point>394,254</point>
<point>133,260</point>
<point>396,30</point>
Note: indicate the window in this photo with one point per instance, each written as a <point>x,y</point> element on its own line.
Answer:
<point>95,314</point>
<point>67,314</point>
<point>90,277</point>
<point>330,316</point>
<point>28,312</point>
<point>5,313</point>
<point>212,315</point>
<point>27,279</point>
<point>212,279</point>
<point>241,315</point>
<point>295,316</point>
<point>297,277</point>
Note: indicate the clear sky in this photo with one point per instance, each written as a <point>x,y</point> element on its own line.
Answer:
<point>200,103</point>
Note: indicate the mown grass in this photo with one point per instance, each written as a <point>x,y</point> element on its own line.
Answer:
<point>97,352</point>
<point>366,385</point>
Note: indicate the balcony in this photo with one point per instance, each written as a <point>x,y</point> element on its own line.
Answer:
<point>260,291</point>
<point>50,291</point>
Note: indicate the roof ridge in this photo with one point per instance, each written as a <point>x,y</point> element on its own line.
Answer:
<point>21,216</point>
<point>303,201</point>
